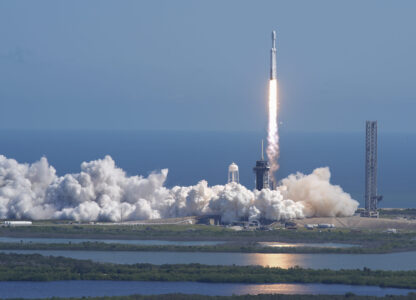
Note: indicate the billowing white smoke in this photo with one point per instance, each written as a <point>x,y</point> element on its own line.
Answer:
<point>102,191</point>
<point>318,196</point>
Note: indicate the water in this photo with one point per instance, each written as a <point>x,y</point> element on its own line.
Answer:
<point>315,245</point>
<point>191,157</point>
<point>22,289</point>
<point>390,261</point>
<point>127,242</point>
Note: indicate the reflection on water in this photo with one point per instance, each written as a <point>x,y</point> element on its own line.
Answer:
<point>30,289</point>
<point>315,245</point>
<point>127,242</point>
<point>282,260</point>
<point>391,261</point>
<point>329,289</point>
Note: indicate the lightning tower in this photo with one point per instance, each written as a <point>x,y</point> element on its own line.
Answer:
<point>371,197</point>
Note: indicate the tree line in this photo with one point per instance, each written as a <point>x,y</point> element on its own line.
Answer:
<point>34,267</point>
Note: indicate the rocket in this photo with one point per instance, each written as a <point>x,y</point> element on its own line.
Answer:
<point>273,57</point>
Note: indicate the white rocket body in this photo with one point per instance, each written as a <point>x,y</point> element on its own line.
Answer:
<point>273,57</point>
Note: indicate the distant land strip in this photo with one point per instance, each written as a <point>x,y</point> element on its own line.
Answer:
<point>387,246</point>
<point>349,296</point>
<point>34,267</point>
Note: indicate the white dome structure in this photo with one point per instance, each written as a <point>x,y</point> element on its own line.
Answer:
<point>233,175</point>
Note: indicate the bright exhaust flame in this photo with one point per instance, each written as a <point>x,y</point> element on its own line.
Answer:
<point>273,130</point>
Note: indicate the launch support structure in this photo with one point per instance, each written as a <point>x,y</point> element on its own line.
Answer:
<point>262,171</point>
<point>371,197</point>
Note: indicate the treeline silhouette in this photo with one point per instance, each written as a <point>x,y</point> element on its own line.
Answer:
<point>36,267</point>
<point>387,246</point>
<point>349,296</point>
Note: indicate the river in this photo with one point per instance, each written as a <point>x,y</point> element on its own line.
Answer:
<point>33,289</point>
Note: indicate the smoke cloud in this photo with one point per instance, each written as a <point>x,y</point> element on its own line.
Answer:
<point>103,192</point>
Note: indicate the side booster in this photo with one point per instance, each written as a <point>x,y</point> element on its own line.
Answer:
<point>273,73</point>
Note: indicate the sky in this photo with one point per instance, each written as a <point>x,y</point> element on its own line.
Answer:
<point>204,65</point>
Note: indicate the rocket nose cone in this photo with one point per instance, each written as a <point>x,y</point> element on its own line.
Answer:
<point>274,35</point>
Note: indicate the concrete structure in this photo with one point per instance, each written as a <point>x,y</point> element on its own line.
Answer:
<point>17,223</point>
<point>291,225</point>
<point>209,219</point>
<point>311,226</point>
<point>358,223</point>
<point>233,175</point>
<point>262,172</point>
<point>371,198</point>
<point>326,225</point>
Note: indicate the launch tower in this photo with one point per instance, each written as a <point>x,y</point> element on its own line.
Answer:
<point>371,197</point>
<point>262,171</point>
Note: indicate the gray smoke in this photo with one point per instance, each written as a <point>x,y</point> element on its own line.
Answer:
<point>102,191</point>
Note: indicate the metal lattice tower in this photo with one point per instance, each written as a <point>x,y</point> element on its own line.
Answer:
<point>371,197</point>
<point>262,172</point>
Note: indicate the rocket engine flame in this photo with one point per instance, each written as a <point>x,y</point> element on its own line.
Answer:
<point>273,129</point>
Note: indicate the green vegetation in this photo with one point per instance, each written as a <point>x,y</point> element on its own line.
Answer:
<point>177,232</point>
<point>201,232</point>
<point>349,296</point>
<point>39,268</point>
<point>231,247</point>
<point>245,242</point>
<point>398,212</point>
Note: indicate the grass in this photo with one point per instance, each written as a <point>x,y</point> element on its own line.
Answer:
<point>238,241</point>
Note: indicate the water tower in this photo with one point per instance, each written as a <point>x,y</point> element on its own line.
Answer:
<point>233,175</point>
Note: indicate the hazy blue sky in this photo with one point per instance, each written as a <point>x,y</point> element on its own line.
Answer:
<point>203,65</point>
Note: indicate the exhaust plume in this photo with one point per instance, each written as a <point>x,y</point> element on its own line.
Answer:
<point>103,192</point>
<point>273,130</point>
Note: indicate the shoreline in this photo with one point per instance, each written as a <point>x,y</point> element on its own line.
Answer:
<point>35,267</point>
